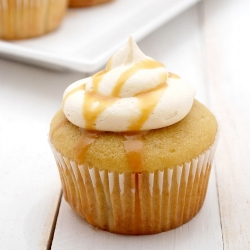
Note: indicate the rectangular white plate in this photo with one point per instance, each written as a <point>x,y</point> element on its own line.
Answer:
<point>87,37</point>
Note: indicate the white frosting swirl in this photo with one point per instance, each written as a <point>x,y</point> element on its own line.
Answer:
<point>133,93</point>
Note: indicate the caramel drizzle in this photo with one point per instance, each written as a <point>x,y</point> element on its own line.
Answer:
<point>91,111</point>
<point>83,144</point>
<point>94,104</point>
<point>78,88</point>
<point>96,79</point>
<point>147,101</point>
<point>65,120</point>
<point>108,66</point>
<point>146,64</point>
<point>133,145</point>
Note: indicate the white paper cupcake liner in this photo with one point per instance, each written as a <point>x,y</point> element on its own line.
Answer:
<point>136,203</point>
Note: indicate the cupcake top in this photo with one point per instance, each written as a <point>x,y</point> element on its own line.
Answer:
<point>133,93</point>
<point>132,116</point>
<point>144,151</point>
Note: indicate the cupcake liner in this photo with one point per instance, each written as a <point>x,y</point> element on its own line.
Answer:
<point>136,203</point>
<point>29,18</point>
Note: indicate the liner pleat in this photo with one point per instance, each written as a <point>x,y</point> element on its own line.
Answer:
<point>136,203</point>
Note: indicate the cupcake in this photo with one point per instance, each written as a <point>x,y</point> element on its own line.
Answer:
<point>134,149</point>
<point>86,3</point>
<point>23,19</point>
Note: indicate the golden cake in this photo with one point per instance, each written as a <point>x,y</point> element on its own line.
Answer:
<point>25,19</point>
<point>118,170</point>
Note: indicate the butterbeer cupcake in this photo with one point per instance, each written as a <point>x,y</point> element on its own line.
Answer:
<point>134,149</point>
<point>30,18</point>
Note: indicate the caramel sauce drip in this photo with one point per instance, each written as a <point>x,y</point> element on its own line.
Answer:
<point>84,142</point>
<point>133,145</point>
<point>94,104</point>
<point>147,101</point>
<point>146,64</point>
<point>79,88</point>
<point>108,66</point>
<point>57,127</point>
<point>96,79</point>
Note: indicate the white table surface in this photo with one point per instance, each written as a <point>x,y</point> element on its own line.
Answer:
<point>209,46</point>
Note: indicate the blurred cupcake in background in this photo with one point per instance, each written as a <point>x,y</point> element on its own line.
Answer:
<point>30,18</point>
<point>85,3</point>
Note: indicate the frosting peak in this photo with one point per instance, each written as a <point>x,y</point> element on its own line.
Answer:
<point>134,92</point>
<point>128,54</point>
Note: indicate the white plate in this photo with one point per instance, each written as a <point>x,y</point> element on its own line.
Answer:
<point>87,37</point>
